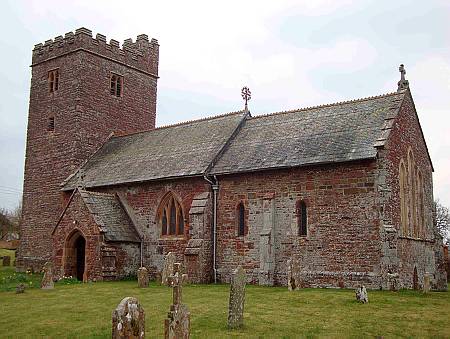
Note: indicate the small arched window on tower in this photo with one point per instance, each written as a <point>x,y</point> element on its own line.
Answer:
<point>170,216</point>
<point>241,229</point>
<point>53,80</point>
<point>116,85</point>
<point>302,218</point>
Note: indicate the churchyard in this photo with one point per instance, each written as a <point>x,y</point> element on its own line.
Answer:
<point>77,310</point>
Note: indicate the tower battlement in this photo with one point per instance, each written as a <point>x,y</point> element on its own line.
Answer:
<point>142,54</point>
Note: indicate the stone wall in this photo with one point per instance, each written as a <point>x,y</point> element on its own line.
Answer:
<point>84,113</point>
<point>145,198</point>
<point>402,253</point>
<point>342,247</point>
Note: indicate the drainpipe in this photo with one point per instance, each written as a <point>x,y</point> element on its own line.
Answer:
<point>215,188</point>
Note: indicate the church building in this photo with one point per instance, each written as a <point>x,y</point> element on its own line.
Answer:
<point>340,193</point>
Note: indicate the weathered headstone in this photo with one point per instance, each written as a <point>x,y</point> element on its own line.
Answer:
<point>177,325</point>
<point>142,276</point>
<point>20,288</point>
<point>237,299</point>
<point>393,280</point>
<point>293,274</point>
<point>6,260</point>
<point>169,261</point>
<point>47,279</point>
<point>361,295</point>
<point>128,320</point>
<point>426,283</point>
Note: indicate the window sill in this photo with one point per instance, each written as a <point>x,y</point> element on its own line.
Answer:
<point>172,238</point>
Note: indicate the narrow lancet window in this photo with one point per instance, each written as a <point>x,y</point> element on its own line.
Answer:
<point>302,218</point>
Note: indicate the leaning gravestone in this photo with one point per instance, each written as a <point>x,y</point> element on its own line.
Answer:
<point>142,275</point>
<point>128,320</point>
<point>47,279</point>
<point>361,295</point>
<point>177,325</point>
<point>237,299</point>
<point>169,261</point>
<point>6,260</point>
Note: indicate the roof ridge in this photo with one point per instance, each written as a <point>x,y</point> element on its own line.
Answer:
<point>329,105</point>
<point>182,123</point>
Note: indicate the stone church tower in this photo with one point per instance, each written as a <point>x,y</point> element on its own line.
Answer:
<point>82,90</point>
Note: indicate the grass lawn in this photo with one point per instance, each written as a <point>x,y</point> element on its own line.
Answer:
<point>84,310</point>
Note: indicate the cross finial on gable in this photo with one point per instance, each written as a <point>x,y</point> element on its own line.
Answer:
<point>246,95</point>
<point>403,83</point>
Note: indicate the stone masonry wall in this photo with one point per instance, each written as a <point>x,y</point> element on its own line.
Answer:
<point>342,248</point>
<point>85,114</point>
<point>145,198</point>
<point>402,253</point>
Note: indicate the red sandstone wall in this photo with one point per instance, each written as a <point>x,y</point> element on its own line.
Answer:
<point>411,251</point>
<point>77,217</point>
<point>85,114</point>
<point>145,199</point>
<point>343,245</point>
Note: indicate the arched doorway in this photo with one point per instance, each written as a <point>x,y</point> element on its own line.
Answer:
<point>415,279</point>
<point>75,256</point>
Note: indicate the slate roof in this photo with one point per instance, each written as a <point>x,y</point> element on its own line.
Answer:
<point>184,149</point>
<point>331,133</point>
<point>110,216</point>
<point>225,144</point>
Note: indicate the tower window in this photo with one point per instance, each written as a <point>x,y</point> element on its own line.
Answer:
<point>116,85</point>
<point>302,218</point>
<point>51,124</point>
<point>53,80</point>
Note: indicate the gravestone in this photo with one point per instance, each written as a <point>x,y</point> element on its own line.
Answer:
<point>426,283</point>
<point>47,279</point>
<point>393,281</point>
<point>142,276</point>
<point>361,295</point>
<point>6,260</point>
<point>128,320</point>
<point>20,288</point>
<point>237,299</point>
<point>169,261</point>
<point>177,325</point>
<point>293,274</point>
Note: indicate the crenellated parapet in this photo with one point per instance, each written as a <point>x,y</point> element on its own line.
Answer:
<point>142,54</point>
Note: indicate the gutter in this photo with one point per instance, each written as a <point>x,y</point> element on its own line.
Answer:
<point>215,187</point>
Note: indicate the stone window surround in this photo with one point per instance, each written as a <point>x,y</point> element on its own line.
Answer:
<point>298,215</point>
<point>238,218</point>
<point>116,85</point>
<point>169,198</point>
<point>53,80</point>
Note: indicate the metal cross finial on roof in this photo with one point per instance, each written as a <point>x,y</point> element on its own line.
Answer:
<point>403,83</point>
<point>246,95</point>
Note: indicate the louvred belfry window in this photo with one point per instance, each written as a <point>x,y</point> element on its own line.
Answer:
<point>53,80</point>
<point>170,216</point>
<point>116,85</point>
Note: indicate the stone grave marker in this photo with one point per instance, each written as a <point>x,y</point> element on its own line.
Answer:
<point>293,274</point>
<point>128,320</point>
<point>177,324</point>
<point>142,276</point>
<point>6,260</point>
<point>20,288</point>
<point>426,283</point>
<point>169,261</point>
<point>47,279</point>
<point>361,295</point>
<point>237,299</point>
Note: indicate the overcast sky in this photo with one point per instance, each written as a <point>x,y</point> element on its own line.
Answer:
<point>291,54</point>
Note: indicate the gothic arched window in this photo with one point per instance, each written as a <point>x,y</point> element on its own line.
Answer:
<point>302,218</point>
<point>403,198</point>
<point>170,216</point>
<point>241,229</point>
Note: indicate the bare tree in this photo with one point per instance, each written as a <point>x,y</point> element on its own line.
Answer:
<point>442,220</point>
